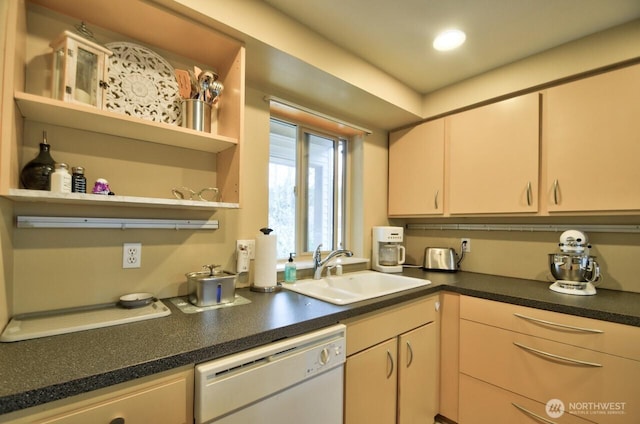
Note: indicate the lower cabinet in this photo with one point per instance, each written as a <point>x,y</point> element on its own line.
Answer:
<point>532,363</point>
<point>166,399</point>
<point>391,374</point>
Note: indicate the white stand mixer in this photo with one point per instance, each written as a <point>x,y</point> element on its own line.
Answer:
<point>574,270</point>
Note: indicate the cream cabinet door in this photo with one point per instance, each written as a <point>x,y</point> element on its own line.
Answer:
<point>371,385</point>
<point>591,135</point>
<point>418,375</point>
<point>493,162</point>
<point>416,170</point>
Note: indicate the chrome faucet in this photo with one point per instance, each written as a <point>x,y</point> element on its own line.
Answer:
<point>319,264</point>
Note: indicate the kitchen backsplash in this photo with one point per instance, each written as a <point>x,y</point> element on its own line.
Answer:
<point>524,254</point>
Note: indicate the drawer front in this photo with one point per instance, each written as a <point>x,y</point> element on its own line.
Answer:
<point>165,403</point>
<point>593,382</point>
<point>601,336</point>
<point>169,401</point>
<point>376,327</point>
<point>482,403</point>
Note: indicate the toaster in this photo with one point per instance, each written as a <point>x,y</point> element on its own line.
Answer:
<point>440,259</point>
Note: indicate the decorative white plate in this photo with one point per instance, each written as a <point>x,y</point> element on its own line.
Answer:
<point>142,84</point>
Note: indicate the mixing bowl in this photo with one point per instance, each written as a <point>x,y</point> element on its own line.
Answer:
<point>573,267</point>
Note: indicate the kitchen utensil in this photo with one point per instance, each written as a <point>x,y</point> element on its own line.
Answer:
<point>574,269</point>
<point>196,114</point>
<point>136,300</point>
<point>440,259</point>
<point>565,266</point>
<point>211,287</point>
<point>391,254</point>
<point>184,83</point>
<point>193,79</point>
<point>388,253</point>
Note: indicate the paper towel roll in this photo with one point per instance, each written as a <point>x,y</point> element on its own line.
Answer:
<point>266,261</point>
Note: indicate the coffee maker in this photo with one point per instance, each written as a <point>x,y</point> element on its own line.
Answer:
<point>574,269</point>
<point>388,253</point>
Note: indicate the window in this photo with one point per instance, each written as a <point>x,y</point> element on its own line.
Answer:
<point>307,172</point>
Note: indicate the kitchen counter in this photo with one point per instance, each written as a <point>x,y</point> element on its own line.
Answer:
<point>37,371</point>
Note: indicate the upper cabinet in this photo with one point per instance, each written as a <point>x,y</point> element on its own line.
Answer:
<point>571,149</point>
<point>143,159</point>
<point>591,136</point>
<point>493,158</point>
<point>416,170</point>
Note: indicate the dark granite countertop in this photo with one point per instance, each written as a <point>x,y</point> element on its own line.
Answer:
<point>38,371</point>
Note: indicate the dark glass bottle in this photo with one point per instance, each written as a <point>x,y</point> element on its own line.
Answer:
<point>78,180</point>
<point>36,174</point>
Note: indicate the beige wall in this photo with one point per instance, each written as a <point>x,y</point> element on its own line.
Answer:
<point>59,268</point>
<point>615,45</point>
<point>524,254</point>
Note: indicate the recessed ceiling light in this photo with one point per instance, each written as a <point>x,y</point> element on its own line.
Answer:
<point>449,40</point>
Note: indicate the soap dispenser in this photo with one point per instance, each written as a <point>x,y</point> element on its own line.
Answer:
<point>290,270</point>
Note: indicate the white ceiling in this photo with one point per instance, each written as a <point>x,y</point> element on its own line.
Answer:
<point>396,36</point>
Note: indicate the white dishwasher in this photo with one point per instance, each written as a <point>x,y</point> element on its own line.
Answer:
<point>295,380</point>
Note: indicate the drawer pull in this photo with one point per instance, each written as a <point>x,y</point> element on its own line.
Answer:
<point>118,420</point>
<point>555,324</point>
<point>390,360</point>
<point>558,357</point>
<point>532,414</point>
<point>409,354</point>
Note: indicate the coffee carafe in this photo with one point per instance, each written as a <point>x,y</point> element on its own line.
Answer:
<point>388,253</point>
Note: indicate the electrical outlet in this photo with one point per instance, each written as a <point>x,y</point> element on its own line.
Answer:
<point>466,245</point>
<point>131,255</point>
<point>250,246</point>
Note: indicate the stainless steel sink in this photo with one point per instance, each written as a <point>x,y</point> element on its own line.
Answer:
<point>355,286</point>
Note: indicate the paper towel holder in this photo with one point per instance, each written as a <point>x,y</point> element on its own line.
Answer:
<point>265,289</point>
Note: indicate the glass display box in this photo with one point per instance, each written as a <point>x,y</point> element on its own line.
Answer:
<point>80,70</point>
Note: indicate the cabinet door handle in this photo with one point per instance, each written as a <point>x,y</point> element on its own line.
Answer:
<point>390,361</point>
<point>557,357</point>
<point>409,354</point>
<point>533,414</point>
<point>555,192</point>
<point>529,194</point>
<point>555,324</point>
<point>435,199</point>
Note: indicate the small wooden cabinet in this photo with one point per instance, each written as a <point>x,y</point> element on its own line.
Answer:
<point>391,374</point>
<point>416,170</point>
<point>589,366</point>
<point>493,161</point>
<point>167,399</point>
<point>590,136</point>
